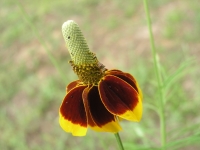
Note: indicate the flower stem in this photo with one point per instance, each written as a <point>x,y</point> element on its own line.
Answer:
<point>158,76</point>
<point>119,141</point>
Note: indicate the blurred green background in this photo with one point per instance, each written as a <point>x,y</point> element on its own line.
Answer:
<point>32,88</point>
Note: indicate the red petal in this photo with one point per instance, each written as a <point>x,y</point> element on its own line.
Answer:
<point>120,98</point>
<point>99,118</point>
<point>72,85</point>
<point>126,77</point>
<point>85,101</point>
<point>72,112</point>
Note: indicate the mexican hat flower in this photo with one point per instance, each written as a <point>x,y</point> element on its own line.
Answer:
<point>101,97</point>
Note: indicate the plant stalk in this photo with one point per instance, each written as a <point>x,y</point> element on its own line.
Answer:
<point>119,141</point>
<point>158,76</point>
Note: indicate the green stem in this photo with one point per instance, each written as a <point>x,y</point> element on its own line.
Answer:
<point>119,141</point>
<point>158,76</point>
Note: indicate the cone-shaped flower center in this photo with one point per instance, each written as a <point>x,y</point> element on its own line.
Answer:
<point>84,62</point>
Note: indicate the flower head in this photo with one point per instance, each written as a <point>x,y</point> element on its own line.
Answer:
<point>100,96</point>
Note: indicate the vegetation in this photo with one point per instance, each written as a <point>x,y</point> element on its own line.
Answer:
<point>35,70</point>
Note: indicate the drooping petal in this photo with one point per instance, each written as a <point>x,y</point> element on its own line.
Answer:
<point>72,85</point>
<point>126,77</point>
<point>99,118</point>
<point>72,112</point>
<point>120,98</point>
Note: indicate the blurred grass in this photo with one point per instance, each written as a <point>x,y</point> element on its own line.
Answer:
<point>32,89</point>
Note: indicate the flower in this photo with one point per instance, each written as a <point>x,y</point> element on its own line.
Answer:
<point>99,99</point>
